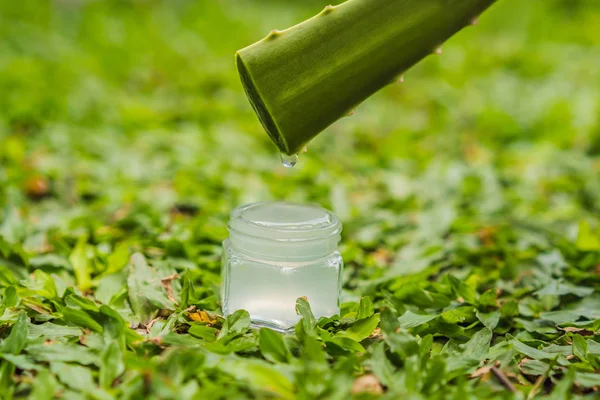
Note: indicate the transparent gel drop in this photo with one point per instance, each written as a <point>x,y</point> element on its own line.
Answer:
<point>289,161</point>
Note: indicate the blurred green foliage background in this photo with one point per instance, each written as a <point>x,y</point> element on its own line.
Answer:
<point>116,94</point>
<point>123,125</point>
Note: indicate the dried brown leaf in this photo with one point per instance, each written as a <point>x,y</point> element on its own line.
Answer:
<point>166,284</point>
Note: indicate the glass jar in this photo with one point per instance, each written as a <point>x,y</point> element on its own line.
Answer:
<point>276,253</point>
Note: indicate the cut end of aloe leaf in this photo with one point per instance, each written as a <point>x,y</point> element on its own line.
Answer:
<point>303,79</point>
<point>259,106</point>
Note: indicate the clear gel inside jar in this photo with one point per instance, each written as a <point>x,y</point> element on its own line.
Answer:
<point>276,253</point>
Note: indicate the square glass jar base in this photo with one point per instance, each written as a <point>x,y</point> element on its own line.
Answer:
<point>279,327</point>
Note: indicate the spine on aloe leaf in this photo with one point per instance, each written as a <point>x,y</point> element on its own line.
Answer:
<point>302,79</point>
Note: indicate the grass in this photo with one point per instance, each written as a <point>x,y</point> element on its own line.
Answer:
<point>469,195</point>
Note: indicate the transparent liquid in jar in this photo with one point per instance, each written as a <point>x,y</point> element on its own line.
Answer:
<point>268,290</point>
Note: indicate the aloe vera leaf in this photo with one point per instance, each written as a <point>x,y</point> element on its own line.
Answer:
<point>301,80</point>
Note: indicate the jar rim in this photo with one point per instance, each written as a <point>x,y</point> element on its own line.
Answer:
<point>284,222</point>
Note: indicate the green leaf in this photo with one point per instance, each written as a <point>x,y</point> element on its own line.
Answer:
<point>312,351</point>
<point>51,260</point>
<point>82,265</point>
<point>456,315</point>
<point>63,352</point>
<point>76,301</point>
<point>422,298</point>
<point>12,251</point>
<point>557,288</point>
<point>462,290</point>
<point>479,345</point>
<point>111,364</point>
<point>435,374</point>
<point>587,239</point>
<point>5,247</point>
<point>41,284</point>
<point>15,342</point>
<point>490,320</point>
<point>49,330</point>
<point>308,322</point>
<point>117,260</point>
<point>488,299</point>
<point>534,367</point>
<point>399,341</point>
<point>146,294</point>
<point>203,332</point>
<point>510,309</point>
<point>303,309</point>
<point>531,352</point>
<point>10,297</point>
<point>410,320</point>
<point>74,376</point>
<point>21,361</point>
<point>383,368</point>
<point>181,340</point>
<point>361,329</point>
<point>403,344</point>
<point>7,371</point>
<point>580,347</point>
<point>425,346</point>
<point>188,294</point>
<point>236,345</point>
<point>45,386</point>
<point>238,322</point>
<point>80,318</point>
<point>562,390</point>
<point>112,323</point>
<point>537,326</point>
<point>260,375</point>
<point>588,307</point>
<point>342,345</point>
<point>181,365</point>
<point>560,317</point>
<point>587,379</point>
<point>593,347</point>
<point>365,308</point>
<point>273,347</point>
